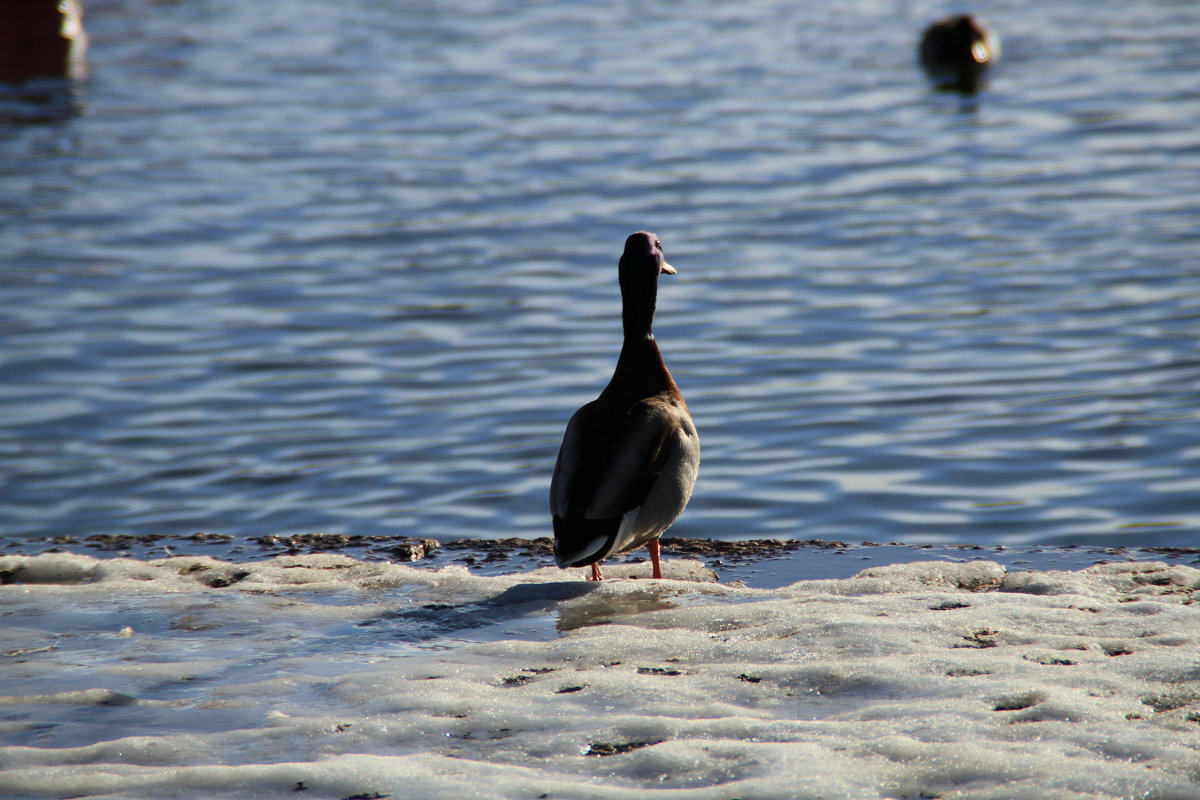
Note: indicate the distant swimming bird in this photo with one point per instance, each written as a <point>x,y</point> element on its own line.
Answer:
<point>629,458</point>
<point>956,52</point>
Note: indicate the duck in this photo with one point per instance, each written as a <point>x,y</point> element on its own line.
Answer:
<point>957,51</point>
<point>629,459</point>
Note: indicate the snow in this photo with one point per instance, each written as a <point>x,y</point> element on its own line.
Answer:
<point>326,677</point>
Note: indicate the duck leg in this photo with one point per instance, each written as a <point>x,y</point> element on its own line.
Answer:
<point>653,548</point>
<point>596,574</point>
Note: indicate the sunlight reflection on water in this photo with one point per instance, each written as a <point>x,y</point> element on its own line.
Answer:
<point>351,271</point>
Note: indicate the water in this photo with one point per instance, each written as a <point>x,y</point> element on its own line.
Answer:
<point>350,268</point>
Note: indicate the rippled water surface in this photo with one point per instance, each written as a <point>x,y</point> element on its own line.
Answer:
<point>349,267</point>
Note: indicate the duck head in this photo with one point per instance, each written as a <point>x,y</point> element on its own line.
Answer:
<point>957,51</point>
<point>641,264</point>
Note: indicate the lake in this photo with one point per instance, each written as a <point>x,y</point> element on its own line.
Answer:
<point>349,268</point>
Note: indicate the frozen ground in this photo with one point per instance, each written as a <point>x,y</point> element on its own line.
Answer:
<point>320,676</point>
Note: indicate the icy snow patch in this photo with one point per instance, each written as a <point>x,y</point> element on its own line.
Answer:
<point>326,677</point>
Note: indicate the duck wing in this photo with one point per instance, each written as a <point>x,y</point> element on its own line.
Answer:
<point>608,493</point>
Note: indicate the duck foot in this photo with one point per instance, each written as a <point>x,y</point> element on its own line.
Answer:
<point>656,572</point>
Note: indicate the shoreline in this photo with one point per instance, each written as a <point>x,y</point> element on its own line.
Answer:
<point>763,563</point>
<point>345,678</point>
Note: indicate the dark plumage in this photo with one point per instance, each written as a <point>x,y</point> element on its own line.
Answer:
<point>629,458</point>
<point>956,52</point>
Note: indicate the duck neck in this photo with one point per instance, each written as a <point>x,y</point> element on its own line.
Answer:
<point>641,371</point>
<point>638,298</point>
